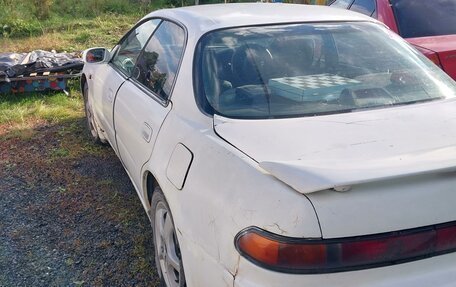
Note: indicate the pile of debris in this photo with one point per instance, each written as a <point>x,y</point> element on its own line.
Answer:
<point>38,70</point>
<point>13,65</point>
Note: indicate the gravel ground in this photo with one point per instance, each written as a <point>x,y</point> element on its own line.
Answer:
<point>69,215</point>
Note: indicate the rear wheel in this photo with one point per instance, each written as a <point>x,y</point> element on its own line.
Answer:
<point>168,258</point>
<point>91,125</point>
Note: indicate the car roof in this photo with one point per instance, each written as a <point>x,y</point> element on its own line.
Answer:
<point>204,18</point>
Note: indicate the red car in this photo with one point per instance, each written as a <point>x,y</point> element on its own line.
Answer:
<point>430,26</point>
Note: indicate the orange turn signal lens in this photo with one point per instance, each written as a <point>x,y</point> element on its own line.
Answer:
<point>261,248</point>
<point>269,250</point>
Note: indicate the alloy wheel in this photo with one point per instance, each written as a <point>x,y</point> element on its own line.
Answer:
<point>167,247</point>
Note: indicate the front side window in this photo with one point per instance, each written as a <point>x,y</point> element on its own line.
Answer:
<point>312,69</point>
<point>130,47</point>
<point>158,64</point>
<point>425,18</point>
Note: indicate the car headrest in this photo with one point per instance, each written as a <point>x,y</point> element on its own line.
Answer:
<point>295,55</point>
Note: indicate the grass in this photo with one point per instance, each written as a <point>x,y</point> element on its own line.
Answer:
<point>59,153</point>
<point>48,129</point>
<point>70,25</point>
<point>19,109</point>
<point>73,34</point>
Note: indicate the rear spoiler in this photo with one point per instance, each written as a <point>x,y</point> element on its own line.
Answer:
<point>312,176</point>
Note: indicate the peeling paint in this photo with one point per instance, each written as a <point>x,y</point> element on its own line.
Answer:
<point>236,270</point>
<point>275,224</point>
<point>214,230</point>
<point>296,221</point>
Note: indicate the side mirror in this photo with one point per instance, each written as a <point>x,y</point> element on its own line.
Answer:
<point>96,55</point>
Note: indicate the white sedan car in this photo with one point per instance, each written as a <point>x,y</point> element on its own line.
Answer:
<point>282,145</point>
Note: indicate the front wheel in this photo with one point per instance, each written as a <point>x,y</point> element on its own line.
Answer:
<point>168,258</point>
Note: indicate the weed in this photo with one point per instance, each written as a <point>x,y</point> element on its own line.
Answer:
<point>20,28</point>
<point>20,133</point>
<point>93,149</point>
<point>59,153</point>
<point>69,261</point>
<point>82,37</point>
<point>106,182</point>
<point>42,8</point>
<point>124,216</point>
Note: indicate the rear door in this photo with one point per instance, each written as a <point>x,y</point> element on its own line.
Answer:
<point>109,78</point>
<point>142,103</point>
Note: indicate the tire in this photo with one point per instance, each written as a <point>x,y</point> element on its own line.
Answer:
<point>168,258</point>
<point>90,119</point>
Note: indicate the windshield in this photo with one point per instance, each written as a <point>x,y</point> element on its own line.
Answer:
<point>312,69</point>
<point>425,18</point>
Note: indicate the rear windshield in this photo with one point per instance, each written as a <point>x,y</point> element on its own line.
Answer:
<point>425,18</point>
<point>312,69</point>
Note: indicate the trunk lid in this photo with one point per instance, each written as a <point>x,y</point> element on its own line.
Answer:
<point>443,46</point>
<point>365,172</point>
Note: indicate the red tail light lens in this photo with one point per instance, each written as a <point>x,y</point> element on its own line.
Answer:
<point>294,255</point>
<point>434,58</point>
<point>431,55</point>
<point>445,239</point>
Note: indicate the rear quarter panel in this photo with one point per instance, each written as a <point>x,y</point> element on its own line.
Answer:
<point>224,192</point>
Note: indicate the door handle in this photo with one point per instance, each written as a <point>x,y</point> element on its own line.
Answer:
<point>146,132</point>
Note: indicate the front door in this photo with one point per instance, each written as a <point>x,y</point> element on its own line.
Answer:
<point>109,78</point>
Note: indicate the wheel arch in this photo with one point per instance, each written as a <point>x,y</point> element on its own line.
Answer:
<point>150,183</point>
<point>83,81</point>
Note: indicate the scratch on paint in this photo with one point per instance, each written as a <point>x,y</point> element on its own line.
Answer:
<point>362,143</point>
<point>278,227</point>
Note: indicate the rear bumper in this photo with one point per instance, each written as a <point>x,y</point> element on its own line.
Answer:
<point>439,271</point>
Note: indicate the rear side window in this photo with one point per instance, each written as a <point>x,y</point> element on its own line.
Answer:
<point>425,18</point>
<point>130,47</point>
<point>366,7</point>
<point>158,64</point>
<point>344,4</point>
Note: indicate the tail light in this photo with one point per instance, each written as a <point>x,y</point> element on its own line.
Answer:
<point>434,58</point>
<point>309,256</point>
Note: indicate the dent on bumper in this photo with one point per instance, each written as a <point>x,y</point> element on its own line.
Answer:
<point>439,271</point>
